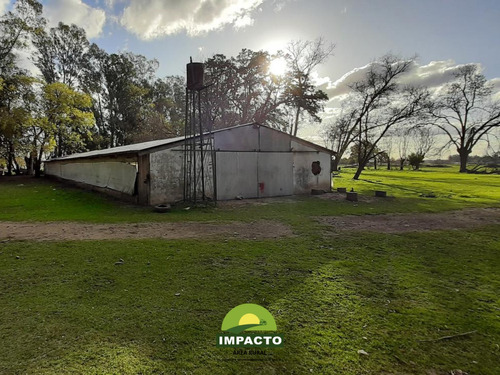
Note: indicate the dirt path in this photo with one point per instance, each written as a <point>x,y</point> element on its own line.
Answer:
<point>417,222</point>
<point>58,231</point>
<point>390,223</point>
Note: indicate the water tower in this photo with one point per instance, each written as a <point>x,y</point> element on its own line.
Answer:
<point>199,152</point>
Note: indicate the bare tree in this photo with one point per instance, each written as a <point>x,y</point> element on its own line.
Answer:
<point>303,57</point>
<point>423,140</point>
<point>387,145</point>
<point>466,112</point>
<point>339,133</point>
<point>403,140</point>
<point>383,104</point>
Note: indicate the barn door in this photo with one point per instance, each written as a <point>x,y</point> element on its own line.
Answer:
<point>254,174</point>
<point>143,182</point>
<point>274,174</point>
<point>236,175</point>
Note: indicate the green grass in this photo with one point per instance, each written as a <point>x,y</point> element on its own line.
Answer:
<point>445,184</point>
<point>45,200</point>
<point>65,307</point>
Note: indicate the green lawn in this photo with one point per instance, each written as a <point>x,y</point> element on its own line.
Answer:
<point>66,308</point>
<point>45,200</point>
<point>445,184</point>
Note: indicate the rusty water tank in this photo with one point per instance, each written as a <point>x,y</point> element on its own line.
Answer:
<point>194,76</point>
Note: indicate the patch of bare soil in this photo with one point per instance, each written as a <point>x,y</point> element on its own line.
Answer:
<point>389,223</point>
<point>237,203</point>
<point>415,222</point>
<point>60,231</point>
<point>340,197</point>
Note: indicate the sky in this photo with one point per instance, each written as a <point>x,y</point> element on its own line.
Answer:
<point>442,33</point>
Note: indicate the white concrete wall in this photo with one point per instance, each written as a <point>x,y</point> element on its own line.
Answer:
<point>166,176</point>
<point>303,178</point>
<point>166,169</point>
<point>117,176</point>
<point>52,169</point>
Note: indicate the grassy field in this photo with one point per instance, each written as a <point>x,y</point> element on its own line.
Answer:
<point>45,200</point>
<point>66,308</point>
<point>445,184</point>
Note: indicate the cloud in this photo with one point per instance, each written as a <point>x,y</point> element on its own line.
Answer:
<point>279,5</point>
<point>76,12</point>
<point>320,82</point>
<point>25,61</point>
<point>3,6</point>
<point>433,76</point>
<point>341,87</point>
<point>151,19</point>
<point>110,3</point>
<point>244,21</point>
<point>495,83</point>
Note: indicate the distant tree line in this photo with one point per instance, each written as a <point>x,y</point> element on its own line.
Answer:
<point>87,99</point>
<point>380,111</point>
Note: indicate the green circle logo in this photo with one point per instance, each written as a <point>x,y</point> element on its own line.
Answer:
<point>248,317</point>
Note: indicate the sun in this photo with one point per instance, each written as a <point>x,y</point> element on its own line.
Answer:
<point>278,66</point>
<point>249,319</point>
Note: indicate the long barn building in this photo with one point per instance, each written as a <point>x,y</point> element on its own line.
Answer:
<point>251,161</point>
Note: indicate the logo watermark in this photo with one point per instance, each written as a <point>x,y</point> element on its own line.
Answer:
<point>248,326</point>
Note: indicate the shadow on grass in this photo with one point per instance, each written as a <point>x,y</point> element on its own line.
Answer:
<point>386,295</point>
<point>69,309</point>
<point>400,187</point>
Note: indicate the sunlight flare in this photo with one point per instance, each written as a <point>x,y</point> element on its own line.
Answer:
<point>278,66</point>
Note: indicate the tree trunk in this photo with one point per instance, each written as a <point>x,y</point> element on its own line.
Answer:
<point>296,124</point>
<point>59,145</point>
<point>17,167</point>
<point>417,165</point>
<point>38,162</point>
<point>375,163</point>
<point>30,163</point>
<point>401,164</point>
<point>10,158</point>
<point>361,166</point>
<point>358,172</point>
<point>388,164</point>
<point>37,167</point>
<point>335,164</point>
<point>464,156</point>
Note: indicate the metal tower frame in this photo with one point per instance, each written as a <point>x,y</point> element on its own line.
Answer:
<point>199,152</point>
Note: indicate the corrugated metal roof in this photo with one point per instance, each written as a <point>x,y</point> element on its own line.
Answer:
<point>144,146</point>
<point>129,149</point>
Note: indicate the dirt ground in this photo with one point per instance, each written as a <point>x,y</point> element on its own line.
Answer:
<point>390,223</point>
<point>417,222</point>
<point>57,231</point>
